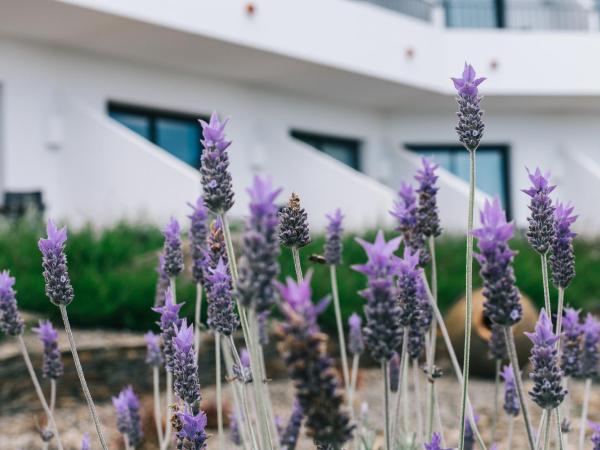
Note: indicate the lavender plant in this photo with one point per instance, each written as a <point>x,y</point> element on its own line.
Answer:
<point>595,435</point>
<point>127,409</point>
<point>154,359</point>
<point>162,282</point>
<point>406,212</point>
<point>289,437</point>
<point>512,407</point>
<point>60,292</point>
<point>356,346</point>
<point>470,131</point>
<point>293,229</point>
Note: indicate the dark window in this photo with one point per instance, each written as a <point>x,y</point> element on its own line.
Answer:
<point>492,167</point>
<point>177,133</point>
<point>343,149</point>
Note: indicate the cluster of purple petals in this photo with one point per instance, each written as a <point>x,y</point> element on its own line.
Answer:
<point>11,322</point>
<point>293,224</point>
<point>215,177</point>
<point>168,323</point>
<point>289,436</point>
<point>394,370</point>
<point>469,437</point>
<point>590,356</point>
<point>571,343</point>
<point>172,251</point>
<point>234,430</point>
<point>243,373</point>
<point>198,234</point>
<point>406,211</point>
<point>383,330</point>
<point>129,423</point>
<point>162,282</point>
<point>153,354</point>
<point>562,259</point>
<point>595,435</point>
<point>502,306</point>
<point>54,263</point>
<point>192,434</point>
<point>436,443</point>
<point>333,238</point>
<point>259,267</point>
<point>541,220</point>
<point>356,343</point>
<point>215,251</point>
<point>415,309</point>
<point>497,344</point>
<point>547,391</point>
<point>512,407</point>
<point>222,317</point>
<point>185,368</point>
<point>311,369</point>
<point>85,442</point>
<point>470,125</point>
<point>52,366</point>
<point>263,327</point>
<point>428,219</point>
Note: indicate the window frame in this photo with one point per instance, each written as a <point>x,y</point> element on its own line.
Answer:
<point>355,143</point>
<point>504,150</point>
<point>154,115</point>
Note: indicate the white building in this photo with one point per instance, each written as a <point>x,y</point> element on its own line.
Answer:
<point>98,101</point>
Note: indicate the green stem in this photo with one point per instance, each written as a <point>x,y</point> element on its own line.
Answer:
<point>417,405</point>
<point>197,312</point>
<point>39,392</point>
<point>156,396</point>
<point>547,431</point>
<point>547,305</point>
<point>386,400</point>
<point>169,400</point>
<point>340,328</point>
<point>496,402</point>
<point>432,339</point>
<point>469,301</point>
<point>584,412</point>
<point>221,436</point>
<point>514,360</point>
<point>297,266</point>
<point>511,427</point>
<point>559,314</point>
<point>561,444</point>
<point>403,388</point>
<point>540,429</point>
<point>84,386</point>
<point>354,377</point>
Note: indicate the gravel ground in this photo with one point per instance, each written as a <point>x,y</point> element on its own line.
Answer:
<point>17,431</point>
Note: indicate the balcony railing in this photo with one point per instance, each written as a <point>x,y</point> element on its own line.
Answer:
<point>512,14</point>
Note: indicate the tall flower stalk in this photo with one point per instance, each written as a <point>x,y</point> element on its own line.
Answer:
<point>470,131</point>
<point>333,257</point>
<point>154,359</point>
<point>512,407</point>
<point>497,353</point>
<point>60,293</point>
<point>12,324</point>
<point>502,305</point>
<point>588,366</point>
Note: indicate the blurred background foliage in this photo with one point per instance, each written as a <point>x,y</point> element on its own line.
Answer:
<point>114,277</point>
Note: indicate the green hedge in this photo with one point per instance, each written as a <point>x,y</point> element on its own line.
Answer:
<point>113,273</point>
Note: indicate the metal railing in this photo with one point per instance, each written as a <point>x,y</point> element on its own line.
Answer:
<point>420,9</point>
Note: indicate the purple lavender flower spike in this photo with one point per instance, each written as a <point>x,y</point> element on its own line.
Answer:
<point>289,437</point>
<point>470,124</point>
<point>192,435</point>
<point>135,421</point>
<point>562,258</point>
<point>244,373</point>
<point>214,170</point>
<point>356,343</point>
<point>502,306</point>
<point>333,239</point>
<point>215,250</point>
<point>153,354</point>
<point>185,369</point>
<point>406,211</point>
<point>11,322</point>
<point>198,234</point>
<point>52,366</point>
<point>54,262</point>
<point>383,330</point>
<point>428,220</point>
<point>590,355</point>
<point>469,435</point>
<point>259,268</point>
<point>548,391</point>
<point>571,343</point>
<point>85,442</point>
<point>497,344</point>
<point>595,435</point>
<point>512,407</point>
<point>436,443</point>
<point>221,309</point>
<point>303,349</point>
<point>172,249</point>
<point>293,228</point>
<point>541,221</point>
<point>168,323</point>
<point>394,372</point>
<point>234,430</point>
<point>162,282</point>
<point>122,414</point>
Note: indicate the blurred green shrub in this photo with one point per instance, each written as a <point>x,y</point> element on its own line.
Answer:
<point>113,273</point>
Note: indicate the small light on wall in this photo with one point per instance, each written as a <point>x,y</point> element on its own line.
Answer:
<point>494,64</point>
<point>250,8</point>
<point>409,53</point>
